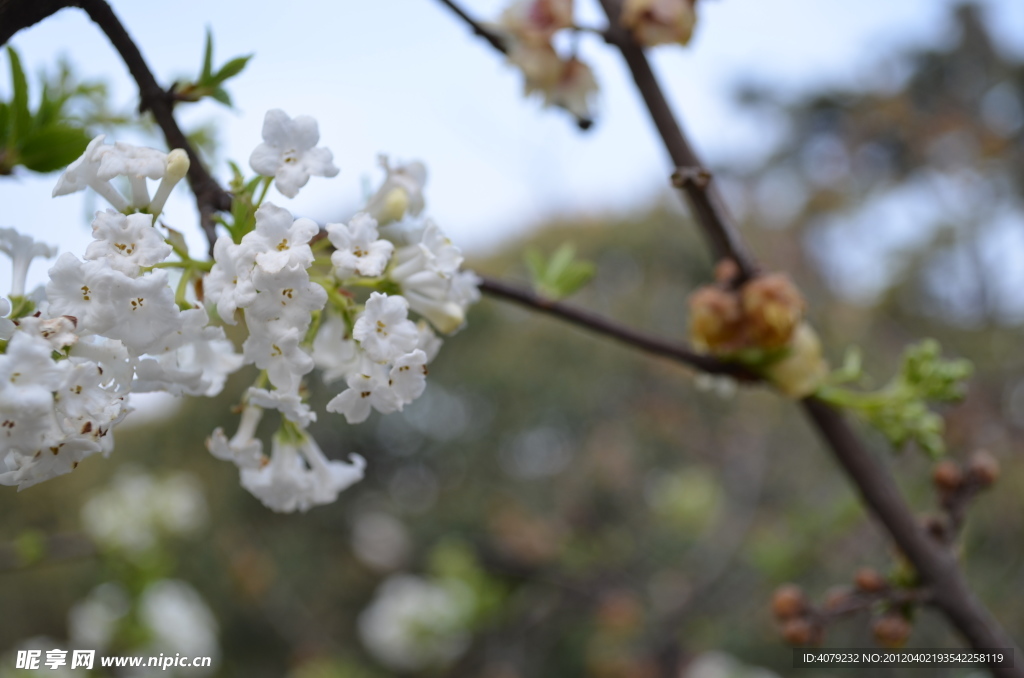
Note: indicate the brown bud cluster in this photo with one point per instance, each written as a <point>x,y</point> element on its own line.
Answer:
<point>764,314</point>
<point>794,614</point>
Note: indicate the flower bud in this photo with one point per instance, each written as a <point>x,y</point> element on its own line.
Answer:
<point>716,321</point>
<point>788,602</point>
<point>983,468</point>
<point>801,372</point>
<point>892,630</point>
<point>869,580</point>
<point>799,632</point>
<point>773,308</point>
<point>535,21</point>
<point>177,167</point>
<point>947,476</point>
<point>659,22</point>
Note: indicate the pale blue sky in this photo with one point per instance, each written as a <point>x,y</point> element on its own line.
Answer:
<point>405,77</point>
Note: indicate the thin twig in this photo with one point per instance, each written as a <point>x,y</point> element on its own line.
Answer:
<point>497,42</point>
<point>609,328</point>
<point>210,197</point>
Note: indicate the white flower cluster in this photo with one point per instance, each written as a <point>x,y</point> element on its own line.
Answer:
<point>301,313</point>
<point>110,323</point>
<point>102,327</point>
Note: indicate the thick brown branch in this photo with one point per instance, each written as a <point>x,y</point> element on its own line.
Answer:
<point>210,197</point>
<point>604,326</point>
<point>18,14</point>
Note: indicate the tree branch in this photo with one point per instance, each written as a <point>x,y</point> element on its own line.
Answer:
<point>937,567</point>
<point>18,14</point>
<point>497,42</point>
<point>609,328</point>
<point>210,197</point>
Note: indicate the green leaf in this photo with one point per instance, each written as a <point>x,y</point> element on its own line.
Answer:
<point>221,95</point>
<point>561,275</point>
<point>52,147</point>
<point>21,117</point>
<point>231,68</point>
<point>5,119</point>
<point>207,71</point>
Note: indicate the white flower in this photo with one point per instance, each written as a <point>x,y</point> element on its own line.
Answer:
<point>126,243</point>
<point>85,172</point>
<point>229,283</point>
<point>428,341</point>
<point>6,324</point>
<point>22,249</point>
<point>383,329</point>
<point>658,22</point>
<point>334,352</point>
<point>409,376</point>
<point>566,83</point>
<point>429,276</point>
<point>71,291</point>
<point>299,477</point>
<point>536,20</point>
<point>288,403</point>
<point>100,163</point>
<point>244,448</point>
<point>194,360</point>
<point>368,390</point>
<point>59,332</point>
<point>288,152</point>
<point>279,353</point>
<point>131,513</point>
<point>576,90</point>
<point>401,192</point>
<point>414,623</point>
<point>358,249</point>
<point>113,358</point>
<point>285,298</point>
<point>178,621</point>
<point>280,241</point>
<point>139,311</point>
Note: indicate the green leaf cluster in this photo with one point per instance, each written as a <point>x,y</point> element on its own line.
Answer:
<point>46,139</point>
<point>559,276</point>
<point>210,82</point>
<point>900,409</point>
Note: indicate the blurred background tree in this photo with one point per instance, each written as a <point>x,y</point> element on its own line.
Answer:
<point>558,505</point>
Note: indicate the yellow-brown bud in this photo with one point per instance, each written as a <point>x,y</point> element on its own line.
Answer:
<point>869,581</point>
<point>716,321</point>
<point>983,468</point>
<point>788,602</point>
<point>773,308</point>
<point>803,369</point>
<point>947,476</point>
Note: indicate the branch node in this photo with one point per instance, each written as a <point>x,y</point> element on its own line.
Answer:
<point>698,177</point>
